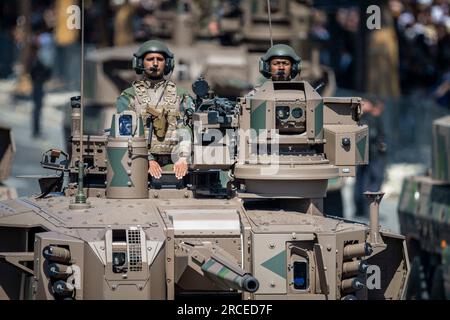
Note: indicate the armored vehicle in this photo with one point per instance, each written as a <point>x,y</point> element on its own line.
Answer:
<point>112,233</point>
<point>424,211</point>
<point>7,151</point>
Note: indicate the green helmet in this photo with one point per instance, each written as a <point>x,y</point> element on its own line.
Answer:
<point>153,46</point>
<point>279,50</point>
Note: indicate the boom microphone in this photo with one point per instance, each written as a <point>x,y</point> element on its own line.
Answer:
<point>152,69</point>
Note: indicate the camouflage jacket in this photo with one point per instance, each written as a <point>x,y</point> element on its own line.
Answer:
<point>160,101</point>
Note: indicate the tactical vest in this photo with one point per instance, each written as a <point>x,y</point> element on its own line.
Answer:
<point>165,114</point>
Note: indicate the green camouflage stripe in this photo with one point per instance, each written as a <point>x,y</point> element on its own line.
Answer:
<point>443,170</point>
<point>208,264</point>
<point>277,264</point>
<point>258,117</point>
<point>223,272</point>
<point>120,177</point>
<point>361,146</point>
<point>318,119</point>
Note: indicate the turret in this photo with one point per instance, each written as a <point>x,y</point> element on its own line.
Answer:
<point>294,140</point>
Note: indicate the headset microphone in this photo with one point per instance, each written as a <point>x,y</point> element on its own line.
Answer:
<point>153,68</point>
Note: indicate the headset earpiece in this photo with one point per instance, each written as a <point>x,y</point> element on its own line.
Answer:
<point>264,68</point>
<point>138,64</point>
<point>169,65</point>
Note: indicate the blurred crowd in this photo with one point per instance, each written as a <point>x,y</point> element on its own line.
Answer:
<point>423,28</point>
<point>418,47</point>
<point>421,44</point>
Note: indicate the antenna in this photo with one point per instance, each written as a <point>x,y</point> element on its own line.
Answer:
<point>80,199</point>
<point>270,23</point>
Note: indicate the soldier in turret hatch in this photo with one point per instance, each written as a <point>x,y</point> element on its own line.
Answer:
<point>156,98</point>
<point>280,63</point>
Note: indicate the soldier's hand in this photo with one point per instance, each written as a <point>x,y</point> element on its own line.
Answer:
<point>154,169</point>
<point>180,168</point>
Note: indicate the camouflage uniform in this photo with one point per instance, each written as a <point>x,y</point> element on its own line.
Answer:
<point>149,99</point>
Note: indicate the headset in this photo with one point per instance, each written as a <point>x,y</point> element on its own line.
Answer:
<point>138,62</point>
<point>264,67</point>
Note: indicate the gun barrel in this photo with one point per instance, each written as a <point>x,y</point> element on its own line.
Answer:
<point>222,274</point>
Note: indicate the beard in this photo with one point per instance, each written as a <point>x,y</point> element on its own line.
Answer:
<point>152,75</point>
<point>155,77</point>
<point>281,76</point>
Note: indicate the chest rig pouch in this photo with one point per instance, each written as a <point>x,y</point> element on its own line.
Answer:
<point>164,115</point>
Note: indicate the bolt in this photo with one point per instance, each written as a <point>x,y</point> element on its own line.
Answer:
<point>328,247</point>
<point>149,248</point>
<point>272,284</point>
<point>124,276</point>
<point>141,287</point>
<point>113,287</point>
<point>294,235</point>
<point>271,245</point>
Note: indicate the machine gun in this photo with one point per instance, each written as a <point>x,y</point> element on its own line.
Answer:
<point>219,110</point>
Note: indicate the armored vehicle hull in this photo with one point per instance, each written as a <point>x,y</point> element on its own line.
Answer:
<point>291,255</point>
<point>424,209</point>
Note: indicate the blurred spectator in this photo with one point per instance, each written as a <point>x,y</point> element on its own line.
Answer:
<point>423,28</point>
<point>7,23</point>
<point>40,73</point>
<point>370,177</point>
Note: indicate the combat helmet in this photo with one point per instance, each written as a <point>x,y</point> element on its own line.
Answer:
<point>279,50</point>
<point>153,46</point>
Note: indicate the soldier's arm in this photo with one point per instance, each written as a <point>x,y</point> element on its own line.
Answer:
<point>126,100</point>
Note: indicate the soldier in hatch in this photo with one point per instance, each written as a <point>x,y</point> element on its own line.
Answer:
<point>280,63</point>
<point>162,108</point>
